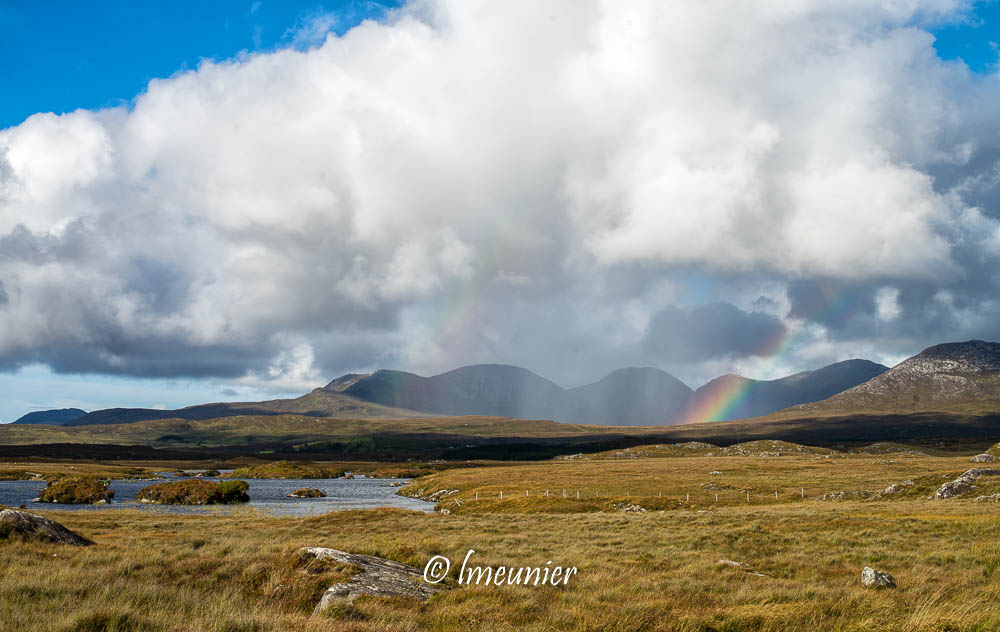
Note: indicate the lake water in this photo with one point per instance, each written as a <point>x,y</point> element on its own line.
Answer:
<point>267,495</point>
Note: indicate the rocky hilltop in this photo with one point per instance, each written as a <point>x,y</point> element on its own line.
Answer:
<point>951,377</point>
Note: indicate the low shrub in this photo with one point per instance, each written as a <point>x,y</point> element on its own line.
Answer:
<point>285,470</point>
<point>79,490</point>
<point>308,492</point>
<point>195,492</point>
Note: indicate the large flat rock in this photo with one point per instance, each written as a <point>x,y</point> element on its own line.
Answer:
<point>378,578</point>
<point>14,522</point>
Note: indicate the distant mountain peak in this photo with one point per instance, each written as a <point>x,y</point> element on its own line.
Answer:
<point>731,396</point>
<point>954,376</point>
<point>55,417</point>
<point>345,382</point>
<point>972,355</point>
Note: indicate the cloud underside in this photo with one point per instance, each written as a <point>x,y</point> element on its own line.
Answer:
<point>571,188</point>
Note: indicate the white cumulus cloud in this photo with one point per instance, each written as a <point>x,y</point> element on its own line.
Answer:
<point>471,180</point>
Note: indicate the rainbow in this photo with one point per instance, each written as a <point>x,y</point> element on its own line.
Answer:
<point>775,350</point>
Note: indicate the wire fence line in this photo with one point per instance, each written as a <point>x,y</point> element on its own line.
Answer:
<point>710,495</point>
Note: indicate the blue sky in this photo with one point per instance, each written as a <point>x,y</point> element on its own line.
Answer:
<point>61,56</point>
<point>975,41</point>
<point>97,54</point>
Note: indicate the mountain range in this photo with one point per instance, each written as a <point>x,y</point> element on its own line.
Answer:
<point>626,397</point>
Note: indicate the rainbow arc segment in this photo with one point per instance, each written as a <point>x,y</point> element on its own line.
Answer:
<point>733,394</point>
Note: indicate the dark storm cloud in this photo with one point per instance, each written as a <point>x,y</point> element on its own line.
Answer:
<point>714,330</point>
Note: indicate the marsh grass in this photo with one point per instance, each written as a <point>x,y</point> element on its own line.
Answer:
<point>240,570</point>
<point>286,470</point>
<point>665,483</point>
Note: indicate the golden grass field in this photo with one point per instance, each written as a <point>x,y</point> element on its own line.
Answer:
<point>655,570</point>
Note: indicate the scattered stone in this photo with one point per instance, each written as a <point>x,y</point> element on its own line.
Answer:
<point>992,498</point>
<point>696,445</point>
<point>378,578</point>
<point>569,457</point>
<point>629,507</point>
<point>715,473</point>
<point>892,489</point>
<point>888,447</point>
<point>854,494</point>
<point>626,454</point>
<point>439,494</point>
<point>964,483</point>
<point>743,567</point>
<point>29,525</point>
<point>983,458</point>
<point>396,484</point>
<point>871,578</point>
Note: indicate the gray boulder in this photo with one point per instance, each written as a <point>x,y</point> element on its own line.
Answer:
<point>871,578</point>
<point>983,458</point>
<point>957,487</point>
<point>964,483</point>
<point>32,526</point>
<point>378,578</point>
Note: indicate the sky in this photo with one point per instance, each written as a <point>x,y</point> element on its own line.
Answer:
<point>246,200</point>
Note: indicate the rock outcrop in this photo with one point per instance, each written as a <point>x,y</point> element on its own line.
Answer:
<point>950,377</point>
<point>15,523</point>
<point>871,578</point>
<point>964,483</point>
<point>378,578</point>
<point>983,458</point>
